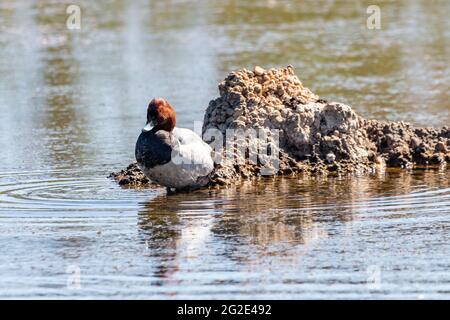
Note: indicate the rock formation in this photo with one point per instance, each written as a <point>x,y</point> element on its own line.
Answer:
<point>313,135</point>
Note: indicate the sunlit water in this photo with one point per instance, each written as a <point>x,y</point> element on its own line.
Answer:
<point>72,104</point>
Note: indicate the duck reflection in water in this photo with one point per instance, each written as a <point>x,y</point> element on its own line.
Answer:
<point>252,225</point>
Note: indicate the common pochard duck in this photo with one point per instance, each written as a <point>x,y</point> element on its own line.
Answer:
<point>176,158</point>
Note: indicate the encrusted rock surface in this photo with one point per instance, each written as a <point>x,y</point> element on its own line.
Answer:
<point>314,135</point>
<point>402,145</point>
<point>131,176</point>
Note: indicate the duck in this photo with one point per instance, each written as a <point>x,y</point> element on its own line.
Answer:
<point>176,158</point>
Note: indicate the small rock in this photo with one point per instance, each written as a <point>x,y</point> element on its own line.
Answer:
<point>278,119</point>
<point>414,143</point>
<point>331,157</point>
<point>440,147</point>
<point>124,181</point>
<point>238,124</point>
<point>259,71</point>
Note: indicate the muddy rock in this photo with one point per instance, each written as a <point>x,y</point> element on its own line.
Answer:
<point>406,146</point>
<point>131,176</point>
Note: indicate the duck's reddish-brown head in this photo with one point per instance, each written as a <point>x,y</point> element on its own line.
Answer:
<point>160,115</point>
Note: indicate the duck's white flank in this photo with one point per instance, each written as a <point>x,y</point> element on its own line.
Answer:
<point>191,160</point>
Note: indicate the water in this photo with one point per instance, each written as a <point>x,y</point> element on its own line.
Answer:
<point>72,103</point>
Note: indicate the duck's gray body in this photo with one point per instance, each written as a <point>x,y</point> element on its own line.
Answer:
<point>179,159</point>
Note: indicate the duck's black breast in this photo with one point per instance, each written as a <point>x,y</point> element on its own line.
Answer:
<point>154,148</point>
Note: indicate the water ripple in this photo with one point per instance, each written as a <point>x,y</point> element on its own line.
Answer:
<point>36,191</point>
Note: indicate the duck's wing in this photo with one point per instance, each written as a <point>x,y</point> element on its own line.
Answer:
<point>193,162</point>
<point>193,154</point>
<point>186,136</point>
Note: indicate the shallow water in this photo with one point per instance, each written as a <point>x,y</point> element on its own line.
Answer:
<point>72,104</point>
